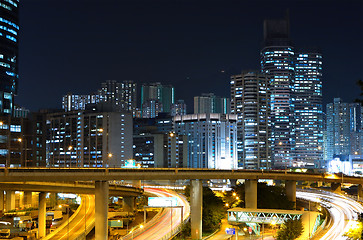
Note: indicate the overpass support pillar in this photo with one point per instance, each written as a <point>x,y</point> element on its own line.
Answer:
<point>360,191</point>
<point>21,199</point>
<point>250,193</point>
<point>10,200</point>
<point>129,204</point>
<point>28,197</point>
<point>336,187</point>
<point>290,186</point>
<point>1,200</point>
<point>196,204</point>
<point>42,214</point>
<point>101,194</point>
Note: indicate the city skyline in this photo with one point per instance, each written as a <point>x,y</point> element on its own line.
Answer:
<point>72,51</point>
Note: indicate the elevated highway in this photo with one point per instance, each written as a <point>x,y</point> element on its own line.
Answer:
<point>107,174</point>
<point>76,187</point>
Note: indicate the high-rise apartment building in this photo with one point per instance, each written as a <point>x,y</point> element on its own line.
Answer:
<point>89,139</point>
<point>178,108</point>
<point>212,139</point>
<point>121,95</point>
<point>277,62</point>
<point>308,109</point>
<point>161,150</point>
<point>156,91</point>
<point>74,102</point>
<point>250,102</point>
<point>151,108</point>
<point>338,128</point>
<point>9,30</point>
<point>209,103</point>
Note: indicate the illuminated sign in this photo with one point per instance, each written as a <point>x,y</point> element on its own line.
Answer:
<point>162,201</point>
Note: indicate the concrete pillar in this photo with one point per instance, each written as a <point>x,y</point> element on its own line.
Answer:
<point>336,187</point>
<point>101,192</point>
<point>129,204</point>
<point>1,201</point>
<point>10,200</point>
<point>290,187</point>
<point>196,204</point>
<point>360,191</point>
<point>28,199</point>
<point>250,193</point>
<point>42,214</point>
<point>21,199</point>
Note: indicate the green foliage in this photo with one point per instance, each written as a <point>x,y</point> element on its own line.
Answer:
<point>355,232</point>
<point>213,211</point>
<point>184,232</point>
<point>290,230</point>
<point>272,197</point>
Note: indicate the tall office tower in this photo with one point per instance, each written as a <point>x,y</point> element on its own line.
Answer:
<point>277,62</point>
<point>9,29</point>
<point>155,91</point>
<point>250,102</point>
<point>209,103</point>
<point>212,139</point>
<point>355,128</point>
<point>308,109</point>
<point>338,128</point>
<point>74,102</point>
<point>151,108</point>
<point>178,108</point>
<point>89,139</point>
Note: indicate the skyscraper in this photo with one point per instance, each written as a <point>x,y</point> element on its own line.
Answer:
<point>308,109</point>
<point>277,63</point>
<point>250,102</point>
<point>338,128</point>
<point>212,139</point>
<point>210,103</point>
<point>156,91</point>
<point>9,29</point>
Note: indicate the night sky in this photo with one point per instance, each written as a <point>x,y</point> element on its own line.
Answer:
<point>73,46</point>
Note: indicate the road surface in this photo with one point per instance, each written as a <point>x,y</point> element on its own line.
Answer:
<point>77,224</point>
<point>168,221</point>
<point>343,211</point>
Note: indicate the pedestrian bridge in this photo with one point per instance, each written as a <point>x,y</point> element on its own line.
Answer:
<point>265,216</point>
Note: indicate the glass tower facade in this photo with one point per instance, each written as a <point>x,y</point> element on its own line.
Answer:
<point>156,91</point>
<point>277,63</point>
<point>9,30</point>
<point>308,110</point>
<point>250,102</point>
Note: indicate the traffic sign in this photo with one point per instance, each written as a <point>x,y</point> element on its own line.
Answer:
<point>231,231</point>
<point>250,230</point>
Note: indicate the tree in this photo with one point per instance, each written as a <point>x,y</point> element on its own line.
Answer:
<point>355,231</point>
<point>290,230</point>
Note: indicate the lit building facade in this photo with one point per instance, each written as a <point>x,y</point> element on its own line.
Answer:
<point>212,139</point>
<point>178,108</point>
<point>338,128</point>
<point>308,110</point>
<point>277,63</point>
<point>250,102</point>
<point>209,103</point>
<point>156,91</point>
<point>89,139</point>
<point>121,95</point>
<point>151,108</point>
<point>9,30</point>
<point>160,150</point>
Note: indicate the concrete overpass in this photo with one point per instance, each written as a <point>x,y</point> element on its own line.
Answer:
<point>101,176</point>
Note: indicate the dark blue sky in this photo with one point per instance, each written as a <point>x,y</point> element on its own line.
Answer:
<point>73,46</point>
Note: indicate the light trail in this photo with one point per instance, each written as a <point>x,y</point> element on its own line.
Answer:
<point>169,220</point>
<point>342,211</point>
